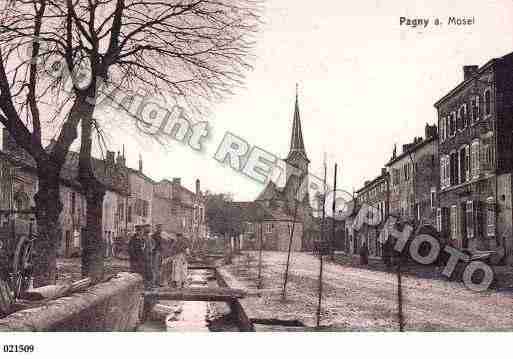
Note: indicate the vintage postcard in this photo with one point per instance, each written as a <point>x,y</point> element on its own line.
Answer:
<point>255,166</point>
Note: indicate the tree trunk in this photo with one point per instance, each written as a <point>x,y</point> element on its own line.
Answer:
<point>93,250</point>
<point>94,244</point>
<point>48,209</point>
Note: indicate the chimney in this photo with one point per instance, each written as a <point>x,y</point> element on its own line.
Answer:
<point>109,159</point>
<point>383,171</point>
<point>177,181</point>
<point>140,163</point>
<point>366,183</point>
<point>430,131</point>
<point>120,160</point>
<point>197,186</point>
<point>469,71</point>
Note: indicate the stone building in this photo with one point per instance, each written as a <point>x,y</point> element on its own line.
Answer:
<point>19,184</point>
<point>375,194</point>
<point>282,201</point>
<point>179,210</point>
<point>139,204</point>
<point>414,179</point>
<point>475,149</point>
<point>269,227</point>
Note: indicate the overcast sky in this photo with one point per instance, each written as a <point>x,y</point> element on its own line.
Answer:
<point>365,83</point>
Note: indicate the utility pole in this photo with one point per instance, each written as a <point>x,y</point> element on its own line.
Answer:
<point>319,304</point>
<point>333,214</point>
<point>259,284</point>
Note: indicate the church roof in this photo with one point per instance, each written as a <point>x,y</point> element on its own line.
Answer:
<point>297,145</point>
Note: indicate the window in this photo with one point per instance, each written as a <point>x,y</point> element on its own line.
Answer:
<point>433,197</point>
<point>464,115</point>
<point>487,156</point>
<point>269,228</point>
<point>459,120</point>
<point>487,102</point>
<point>73,203</point>
<point>129,214</point>
<point>439,219</point>
<point>121,211</point>
<point>474,109</point>
<point>467,163</point>
<point>453,168</point>
<point>452,124</point>
<point>490,217</point>
<point>454,221</point>
<point>445,173</point>
<point>470,219</point>
<point>462,164</point>
<point>474,159</point>
<point>442,129</point>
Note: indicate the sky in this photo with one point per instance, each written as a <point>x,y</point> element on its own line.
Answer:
<point>365,83</point>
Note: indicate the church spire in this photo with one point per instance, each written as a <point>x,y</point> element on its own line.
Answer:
<point>296,142</point>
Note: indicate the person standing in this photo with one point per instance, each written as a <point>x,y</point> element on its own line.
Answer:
<point>148,254</point>
<point>136,252</point>
<point>157,254</point>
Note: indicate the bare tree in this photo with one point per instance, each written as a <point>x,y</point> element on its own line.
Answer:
<point>196,51</point>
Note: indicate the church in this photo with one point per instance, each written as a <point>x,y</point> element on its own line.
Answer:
<point>280,210</point>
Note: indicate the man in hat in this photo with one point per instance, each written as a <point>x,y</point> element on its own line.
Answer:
<point>157,254</point>
<point>136,252</point>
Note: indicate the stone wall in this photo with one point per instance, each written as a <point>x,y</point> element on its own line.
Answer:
<point>112,306</point>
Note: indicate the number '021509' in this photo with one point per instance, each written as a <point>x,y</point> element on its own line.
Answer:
<point>18,348</point>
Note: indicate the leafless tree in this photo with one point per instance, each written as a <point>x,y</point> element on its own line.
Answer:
<point>59,56</point>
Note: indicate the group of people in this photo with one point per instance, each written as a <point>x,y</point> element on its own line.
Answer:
<point>146,251</point>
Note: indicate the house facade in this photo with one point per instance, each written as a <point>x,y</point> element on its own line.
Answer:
<point>475,199</point>
<point>268,227</point>
<point>139,204</point>
<point>179,210</point>
<point>375,194</point>
<point>414,180</point>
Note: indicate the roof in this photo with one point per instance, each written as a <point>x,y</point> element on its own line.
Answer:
<point>297,145</point>
<point>140,174</point>
<point>412,149</point>
<point>113,177</point>
<point>256,212</point>
<point>469,80</point>
<point>371,183</point>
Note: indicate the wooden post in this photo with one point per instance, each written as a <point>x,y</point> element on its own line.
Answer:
<point>319,304</point>
<point>286,275</point>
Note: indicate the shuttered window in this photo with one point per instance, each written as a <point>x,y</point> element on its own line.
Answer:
<point>490,217</point>
<point>470,219</point>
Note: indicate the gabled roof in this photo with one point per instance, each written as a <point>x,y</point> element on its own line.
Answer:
<point>257,212</point>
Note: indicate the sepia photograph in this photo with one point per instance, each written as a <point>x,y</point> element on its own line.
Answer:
<point>282,167</point>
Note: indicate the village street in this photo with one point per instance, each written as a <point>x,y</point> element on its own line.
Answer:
<point>361,299</point>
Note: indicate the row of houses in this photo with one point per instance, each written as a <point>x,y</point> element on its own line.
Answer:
<point>458,177</point>
<point>132,198</point>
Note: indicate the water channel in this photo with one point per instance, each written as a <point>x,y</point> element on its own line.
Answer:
<point>192,316</point>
